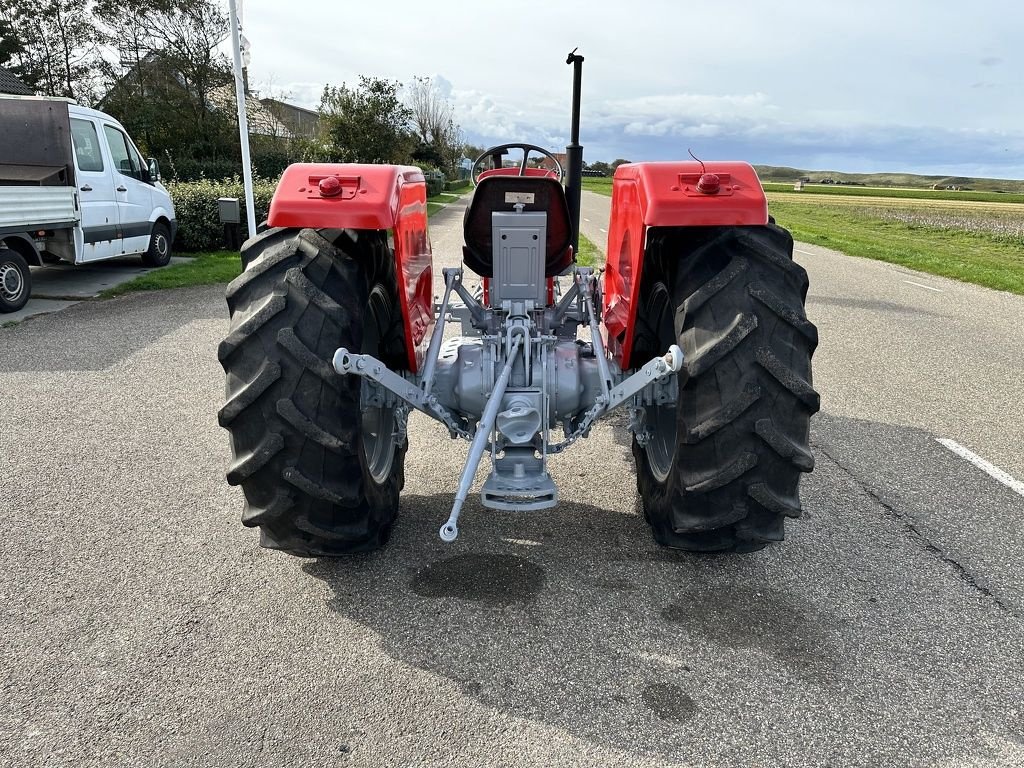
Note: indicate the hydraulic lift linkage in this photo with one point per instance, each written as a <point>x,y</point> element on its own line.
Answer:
<point>519,335</point>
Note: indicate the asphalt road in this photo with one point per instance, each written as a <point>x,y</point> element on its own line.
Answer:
<point>141,624</point>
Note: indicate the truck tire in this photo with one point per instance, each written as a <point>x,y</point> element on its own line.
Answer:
<point>15,281</point>
<point>159,253</point>
<point>321,476</point>
<point>722,467</point>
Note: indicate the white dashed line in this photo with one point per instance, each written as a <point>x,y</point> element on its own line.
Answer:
<point>586,219</point>
<point>922,285</point>
<point>605,231</point>
<point>1014,485</point>
<point>805,253</point>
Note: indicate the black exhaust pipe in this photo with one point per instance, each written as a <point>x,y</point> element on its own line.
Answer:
<point>574,153</point>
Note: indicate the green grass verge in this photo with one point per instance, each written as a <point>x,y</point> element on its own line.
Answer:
<point>204,269</point>
<point>588,256</point>
<point>969,256</point>
<point>438,202</point>
<point>599,184</point>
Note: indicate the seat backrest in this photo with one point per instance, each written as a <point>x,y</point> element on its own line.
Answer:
<point>500,193</point>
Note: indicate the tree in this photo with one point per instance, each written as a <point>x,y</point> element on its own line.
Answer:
<point>441,140</point>
<point>55,46</point>
<point>169,85</point>
<point>617,162</point>
<point>472,151</point>
<point>367,123</point>
<point>603,167</point>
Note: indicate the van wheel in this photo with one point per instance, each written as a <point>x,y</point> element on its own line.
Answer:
<point>159,253</point>
<point>15,281</point>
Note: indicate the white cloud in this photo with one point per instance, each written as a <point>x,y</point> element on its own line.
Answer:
<point>771,82</point>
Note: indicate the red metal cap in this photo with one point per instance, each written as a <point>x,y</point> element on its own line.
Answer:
<point>331,186</point>
<point>708,183</point>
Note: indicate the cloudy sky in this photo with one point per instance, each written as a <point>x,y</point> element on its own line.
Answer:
<point>903,85</point>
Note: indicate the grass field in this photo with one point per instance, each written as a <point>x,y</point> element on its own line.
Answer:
<point>974,245</point>
<point>977,237</point>
<point>891,192</point>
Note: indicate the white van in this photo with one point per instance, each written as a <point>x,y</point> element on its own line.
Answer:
<point>73,187</point>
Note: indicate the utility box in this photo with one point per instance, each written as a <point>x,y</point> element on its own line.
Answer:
<point>229,210</point>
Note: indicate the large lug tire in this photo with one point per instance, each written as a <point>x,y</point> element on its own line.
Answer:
<point>15,281</point>
<point>159,253</point>
<point>320,476</point>
<point>722,466</point>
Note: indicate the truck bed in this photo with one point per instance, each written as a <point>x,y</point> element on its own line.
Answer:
<point>25,209</point>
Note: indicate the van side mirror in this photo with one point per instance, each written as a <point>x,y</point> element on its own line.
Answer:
<point>154,169</point>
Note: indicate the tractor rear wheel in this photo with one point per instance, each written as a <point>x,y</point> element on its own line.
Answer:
<point>720,468</point>
<point>321,476</point>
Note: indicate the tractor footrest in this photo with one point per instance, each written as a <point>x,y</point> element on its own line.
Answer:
<point>514,494</point>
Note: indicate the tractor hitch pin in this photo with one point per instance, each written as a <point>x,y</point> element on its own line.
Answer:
<point>450,530</point>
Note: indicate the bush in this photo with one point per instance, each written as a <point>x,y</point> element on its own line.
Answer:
<point>455,186</point>
<point>195,205</point>
<point>434,179</point>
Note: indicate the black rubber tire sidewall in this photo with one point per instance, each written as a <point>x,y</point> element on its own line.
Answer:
<point>730,488</point>
<point>154,257</point>
<point>15,259</point>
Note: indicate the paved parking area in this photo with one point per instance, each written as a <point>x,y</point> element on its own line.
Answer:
<point>59,286</point>
<point>141,625</point>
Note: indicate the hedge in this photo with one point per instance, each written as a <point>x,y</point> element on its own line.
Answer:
<point>195,204</point>
<point>454,186</point>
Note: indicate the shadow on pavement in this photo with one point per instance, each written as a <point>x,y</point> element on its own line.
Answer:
<point>591,628</point>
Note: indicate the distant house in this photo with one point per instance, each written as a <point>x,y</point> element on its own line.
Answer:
<point>262,122</point>
<point>560,157</point>
<point>12,85</point>
<point>303,123</point>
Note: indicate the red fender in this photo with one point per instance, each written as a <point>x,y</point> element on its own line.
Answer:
<point>670,194</point>
<point>358,196</point>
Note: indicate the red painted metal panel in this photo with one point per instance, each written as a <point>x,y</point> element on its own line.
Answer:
<point>667,195</point>
<point>414,267</point>
<point>359,196</point>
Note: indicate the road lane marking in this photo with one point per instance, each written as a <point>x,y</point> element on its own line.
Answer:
<point>922,285</point>
<point>805,253</point>
<point>605,231</point>
<point>991,469</point>
<point>586,219</point>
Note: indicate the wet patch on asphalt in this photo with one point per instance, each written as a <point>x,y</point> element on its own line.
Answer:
<point>669,702</point>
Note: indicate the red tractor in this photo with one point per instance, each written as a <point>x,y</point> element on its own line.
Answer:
<point>695,326</point>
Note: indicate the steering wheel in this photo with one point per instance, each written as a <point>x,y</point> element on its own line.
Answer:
<point>496,153</point>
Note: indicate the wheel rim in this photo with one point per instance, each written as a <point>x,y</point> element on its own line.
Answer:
<point>379,442</point>
<point>661,420</point>
<point>161,246</point>
<point>12,283</point>
<point>379,426</point>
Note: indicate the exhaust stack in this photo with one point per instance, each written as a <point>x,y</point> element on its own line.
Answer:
<point>574,152</point>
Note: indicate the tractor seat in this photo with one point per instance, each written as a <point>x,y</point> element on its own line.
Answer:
<point>548,197</point>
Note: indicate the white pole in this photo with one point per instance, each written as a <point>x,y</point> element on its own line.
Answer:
<point>243,120</point>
